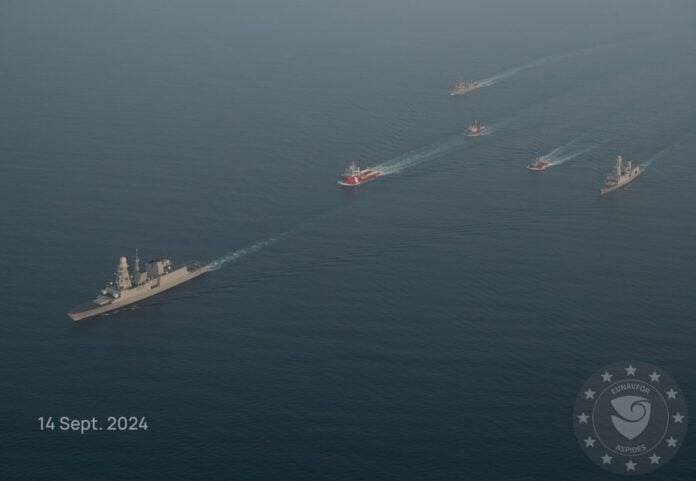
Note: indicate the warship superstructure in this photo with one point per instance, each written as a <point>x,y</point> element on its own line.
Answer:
<point>158,276</point>
<point>463,87</point>
<point>624,172</point>
<point>354,175</point>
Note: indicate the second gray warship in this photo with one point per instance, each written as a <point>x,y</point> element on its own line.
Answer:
<point>624,172</point>
<point>463,87</point>
<point>158,276</point>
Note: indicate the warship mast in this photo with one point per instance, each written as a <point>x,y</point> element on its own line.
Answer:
<point>122,276</point>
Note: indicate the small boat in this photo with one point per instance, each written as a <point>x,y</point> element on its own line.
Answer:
<point>354,175</point>
<point>538,165</point>
<point>475,129</point>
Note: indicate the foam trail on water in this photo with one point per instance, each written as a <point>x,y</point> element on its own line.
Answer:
<point>654,158</point>
<point>220,262</point>
<point>494,79</point>
<point>560,156</point>
<point>571,150</point>
<point>233,256</point>
<point>415,157</point>
<point>487,82</point>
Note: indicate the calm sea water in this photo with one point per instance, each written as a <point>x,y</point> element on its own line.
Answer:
<point>434,324</point>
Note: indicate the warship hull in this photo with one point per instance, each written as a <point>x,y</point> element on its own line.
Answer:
<point>612,188</point>
<point>463,88</point>
<point>104,304</point>
<point>462,91</point>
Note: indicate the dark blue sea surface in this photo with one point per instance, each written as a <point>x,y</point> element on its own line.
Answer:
<point>436,323</point>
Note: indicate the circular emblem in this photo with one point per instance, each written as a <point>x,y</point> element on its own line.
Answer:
<point>630,417</point>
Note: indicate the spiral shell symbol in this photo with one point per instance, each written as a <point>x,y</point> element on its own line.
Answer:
<point>633,415</point>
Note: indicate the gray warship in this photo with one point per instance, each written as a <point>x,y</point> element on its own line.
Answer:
<point>158,276</point>
<point>462,87</point>
<point>624,173</point>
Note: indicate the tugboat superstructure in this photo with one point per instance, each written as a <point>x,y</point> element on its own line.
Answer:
<point>354,175</point>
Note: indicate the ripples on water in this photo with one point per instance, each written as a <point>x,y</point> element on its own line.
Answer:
<point>427,324</point>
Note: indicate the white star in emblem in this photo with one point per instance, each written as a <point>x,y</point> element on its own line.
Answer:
<point>654,459</point>
<point>630,370</point>
<point>589,442</point>
<point>672,394</point>
<point>606,459</point>
<point>582,418</point>
<point>671,442</point>
<point>631,466</point>
<point>606,377</point>
<point>589,394</point>
<point>655,377</point>
<point>678,418</point>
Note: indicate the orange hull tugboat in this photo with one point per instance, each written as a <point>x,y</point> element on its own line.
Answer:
<point>538,165</point>
<point>354,175</point>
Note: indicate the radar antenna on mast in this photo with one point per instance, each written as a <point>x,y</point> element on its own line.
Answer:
<point>136,264</point>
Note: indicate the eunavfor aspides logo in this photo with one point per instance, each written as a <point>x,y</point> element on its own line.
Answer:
<point>630,417</point>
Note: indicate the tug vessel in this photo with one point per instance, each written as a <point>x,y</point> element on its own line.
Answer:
<point>354,175</point>
<point>539,165</point>
<point>476,129</point>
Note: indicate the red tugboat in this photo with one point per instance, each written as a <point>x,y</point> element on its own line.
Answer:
<point>538,165</point>
<point>475,129</point>
<point>353,175</point>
